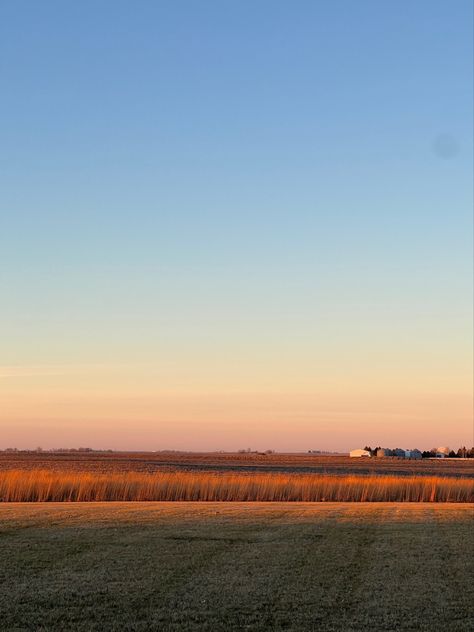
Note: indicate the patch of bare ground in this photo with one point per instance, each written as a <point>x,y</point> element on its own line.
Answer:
<point>103,462</point>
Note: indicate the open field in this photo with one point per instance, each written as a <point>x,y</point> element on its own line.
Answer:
<point>189,567</point>
<point>166,461</point>
<point>66,486</point>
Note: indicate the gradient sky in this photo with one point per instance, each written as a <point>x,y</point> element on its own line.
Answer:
<point>236,224</point>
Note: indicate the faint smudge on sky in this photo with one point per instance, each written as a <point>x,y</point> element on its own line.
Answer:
<point>445,146</point>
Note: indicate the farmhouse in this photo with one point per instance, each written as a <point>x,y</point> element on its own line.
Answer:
<point>359,452</point>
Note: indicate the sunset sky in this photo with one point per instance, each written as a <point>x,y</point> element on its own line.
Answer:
<point>236,224</point>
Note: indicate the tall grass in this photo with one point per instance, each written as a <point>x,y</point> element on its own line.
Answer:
<point>59,486</point>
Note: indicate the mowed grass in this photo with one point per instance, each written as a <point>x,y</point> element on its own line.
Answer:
<point>189,566</point>
<point>52,486</point>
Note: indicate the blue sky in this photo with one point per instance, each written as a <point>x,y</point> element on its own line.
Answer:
<point>284,181</point>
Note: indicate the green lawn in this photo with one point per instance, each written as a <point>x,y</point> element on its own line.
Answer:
<point>196,566</point>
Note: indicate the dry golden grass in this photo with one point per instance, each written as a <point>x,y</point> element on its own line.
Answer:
<point>68,486</point>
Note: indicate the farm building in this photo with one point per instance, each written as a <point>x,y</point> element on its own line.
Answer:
<point>399,452</point>
<point>406,454</point>
<point>359,453</point>
<point>413,454</point>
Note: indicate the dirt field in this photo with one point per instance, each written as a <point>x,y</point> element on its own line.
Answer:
<point>303,463</point>
<point>220,566</point>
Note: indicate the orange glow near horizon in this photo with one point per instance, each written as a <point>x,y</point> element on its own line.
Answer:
<point>137,408</point>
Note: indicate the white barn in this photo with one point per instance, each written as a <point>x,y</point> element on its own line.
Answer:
<point>359,453</point>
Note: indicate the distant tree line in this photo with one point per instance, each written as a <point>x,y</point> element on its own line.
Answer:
<point>54,450</point>
<point>461,453</point>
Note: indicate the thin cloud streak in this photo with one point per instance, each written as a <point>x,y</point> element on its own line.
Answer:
<point>46,370</point>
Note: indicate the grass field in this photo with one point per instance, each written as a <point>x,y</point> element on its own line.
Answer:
<point>232,566</point>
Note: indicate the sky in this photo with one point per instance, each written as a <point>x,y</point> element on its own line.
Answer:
<point>236,224</point>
